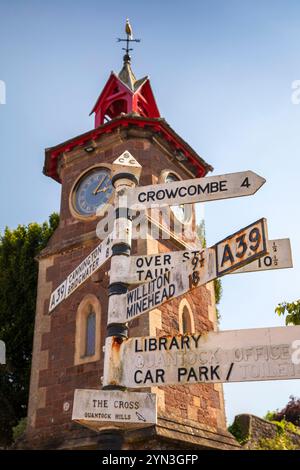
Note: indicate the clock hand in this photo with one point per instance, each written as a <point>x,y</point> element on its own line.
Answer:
<point>96,190</point>
<point>103,190</point>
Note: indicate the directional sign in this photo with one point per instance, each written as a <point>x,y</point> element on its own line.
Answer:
<point>148,267</point>
<point>97,408</point>
<point>205,189</point>
<point>279,257</point>
<point>210,357</point>
<point>82,272</point>
<point>229,254</point>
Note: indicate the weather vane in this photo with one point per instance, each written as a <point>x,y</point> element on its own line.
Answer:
<point>128,40</point>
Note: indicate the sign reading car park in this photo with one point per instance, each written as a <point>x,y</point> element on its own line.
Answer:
<point>236,250</point>
<point>95,408</point>
<point>224,356</point>
<point>82,272</point>
<point>195,190</point>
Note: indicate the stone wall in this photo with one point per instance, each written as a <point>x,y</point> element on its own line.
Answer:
<point>252,429</point>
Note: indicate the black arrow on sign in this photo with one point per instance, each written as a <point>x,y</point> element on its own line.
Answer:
<point>140,417</point>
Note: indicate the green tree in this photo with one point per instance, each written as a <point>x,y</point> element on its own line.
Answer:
<point>291,310</point>
<point>18,287</point>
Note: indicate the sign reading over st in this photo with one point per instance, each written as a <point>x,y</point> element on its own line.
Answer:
<point>145,268</point>
<point>95,408</point>
<point>214,356</point>
<point>229,254</point>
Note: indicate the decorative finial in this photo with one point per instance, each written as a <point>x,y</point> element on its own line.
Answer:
<point>128,40</point>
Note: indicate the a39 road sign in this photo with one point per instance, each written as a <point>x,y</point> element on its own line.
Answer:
<point>279,257</point>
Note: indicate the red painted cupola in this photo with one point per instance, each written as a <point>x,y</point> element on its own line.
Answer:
<point>123,94</point>
<point>126,102</point>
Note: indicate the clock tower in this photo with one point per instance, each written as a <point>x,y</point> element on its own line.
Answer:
<point>68,342</point>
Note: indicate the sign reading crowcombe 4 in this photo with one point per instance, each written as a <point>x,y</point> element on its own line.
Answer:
<point>195,190</point>
<point>229,254</point>
<point>223,356</point>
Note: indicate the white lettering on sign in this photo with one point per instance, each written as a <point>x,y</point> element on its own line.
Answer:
<point>226,356</point>
<point>195,190</point>
<point>94,408</point>
<point>83,271</point>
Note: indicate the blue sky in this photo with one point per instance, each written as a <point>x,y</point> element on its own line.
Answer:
<point>221,72</point>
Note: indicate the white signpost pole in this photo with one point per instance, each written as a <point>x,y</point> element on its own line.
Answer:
<point>106,409</point>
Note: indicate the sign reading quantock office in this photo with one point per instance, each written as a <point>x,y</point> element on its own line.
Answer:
<point>223,356</point>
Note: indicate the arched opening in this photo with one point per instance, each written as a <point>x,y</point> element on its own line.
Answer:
<point>90,340</point>
<point>87,335</point>
<point>186,318</point>
<point>115,109</point>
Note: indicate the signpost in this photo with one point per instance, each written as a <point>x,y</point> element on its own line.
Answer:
<point>224,356</point>
<point>82,272</point>
<point>207,357</point>
<point>148,267</point>
<point>210,188</point>
<point>224,257</point>
<point>96,408</point>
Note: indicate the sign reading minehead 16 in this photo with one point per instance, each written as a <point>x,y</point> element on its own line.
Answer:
<point>227,356</point>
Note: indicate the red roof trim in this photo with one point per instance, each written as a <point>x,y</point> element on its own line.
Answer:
<point>53,153</point>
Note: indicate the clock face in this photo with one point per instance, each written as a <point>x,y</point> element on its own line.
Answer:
<point>182,212</point>
<point>93,190</point>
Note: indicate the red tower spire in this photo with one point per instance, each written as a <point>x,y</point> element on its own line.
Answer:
<point>124,94</point>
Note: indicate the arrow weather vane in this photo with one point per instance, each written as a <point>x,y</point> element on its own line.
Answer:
<point>129,38</point>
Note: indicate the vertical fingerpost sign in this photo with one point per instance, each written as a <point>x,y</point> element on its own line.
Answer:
<point>125,175</point>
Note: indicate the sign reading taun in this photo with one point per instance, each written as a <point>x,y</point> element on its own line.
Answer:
<point>146,268</point>
<point>224,356</point>
<point>224,257</point>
